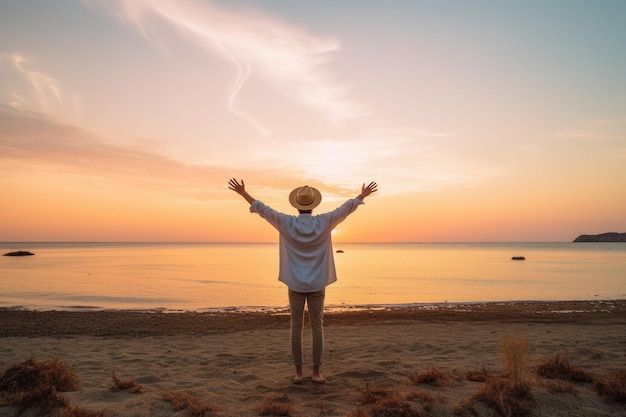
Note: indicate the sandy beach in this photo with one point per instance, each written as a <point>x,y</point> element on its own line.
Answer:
<point>239,364</point>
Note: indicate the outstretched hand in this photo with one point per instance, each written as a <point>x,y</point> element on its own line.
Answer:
<point>366,190</point>
<point>234,185</point>
<point>240,189</point>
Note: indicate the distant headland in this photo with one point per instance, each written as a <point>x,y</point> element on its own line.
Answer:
<point>602,237</point>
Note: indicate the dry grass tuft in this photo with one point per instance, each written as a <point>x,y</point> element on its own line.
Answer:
<point>554,367</point>
<point>515,355</point>
<point>277,406</point>
<point>126,384</point>
<point>426,399</point>
<point>432,377</point>
<point>393,406</point>
<point>510,395</point>
<point>613,387</point>
<point>44,399</point>
<point>75,411</point>
<point>559,386</point>
<point>31,373</point>
<point>578,375</point>
<point>384,403</point>
<point>36,385</point>
<point>373,395</point>
<point>195,407</point>
<point>507,397</point>
<point>464,408</point>
<point>558,367</point>
<point>482,375</point>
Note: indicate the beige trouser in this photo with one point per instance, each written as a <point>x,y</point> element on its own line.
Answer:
<point>315,302</point>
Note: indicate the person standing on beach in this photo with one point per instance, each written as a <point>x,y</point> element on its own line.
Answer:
<point>306,262</point>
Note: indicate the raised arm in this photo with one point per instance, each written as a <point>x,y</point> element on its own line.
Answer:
<point>240,189</point>
<point>366,190</point>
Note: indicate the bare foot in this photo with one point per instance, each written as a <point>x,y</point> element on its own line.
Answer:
<point>318,379</point>
<point>298,379</point>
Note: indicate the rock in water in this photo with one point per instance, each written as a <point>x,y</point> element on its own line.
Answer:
<point>19,253</point>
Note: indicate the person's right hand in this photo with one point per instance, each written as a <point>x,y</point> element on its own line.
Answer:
<point>234,185</point>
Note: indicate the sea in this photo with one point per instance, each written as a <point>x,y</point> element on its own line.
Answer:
<point>176,277</point>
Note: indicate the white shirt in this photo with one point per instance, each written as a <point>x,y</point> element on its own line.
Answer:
<point>305,247</point>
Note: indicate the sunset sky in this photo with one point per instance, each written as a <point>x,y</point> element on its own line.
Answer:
<point>483,120</point>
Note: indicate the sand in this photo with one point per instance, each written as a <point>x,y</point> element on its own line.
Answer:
<point>237,361</point>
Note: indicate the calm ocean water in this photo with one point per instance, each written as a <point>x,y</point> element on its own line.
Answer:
<point>206,276</point>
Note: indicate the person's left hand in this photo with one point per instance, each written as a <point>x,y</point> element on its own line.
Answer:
<point>369,189</point>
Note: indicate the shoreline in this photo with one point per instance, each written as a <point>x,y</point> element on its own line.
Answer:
<point>32,323</point>
<point>333,308</point>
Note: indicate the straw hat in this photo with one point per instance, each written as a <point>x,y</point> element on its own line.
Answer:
<point>305,198</point>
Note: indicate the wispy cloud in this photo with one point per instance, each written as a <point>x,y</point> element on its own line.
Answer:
<point>285,56</point>
<point>588,135</point>
<point>595,130</point>
<point>35,141</point>
<point>414,162</point>
<point>31,139</point>
<point>405,160</point>
<point>531,147</point>
<point>46,90</point>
